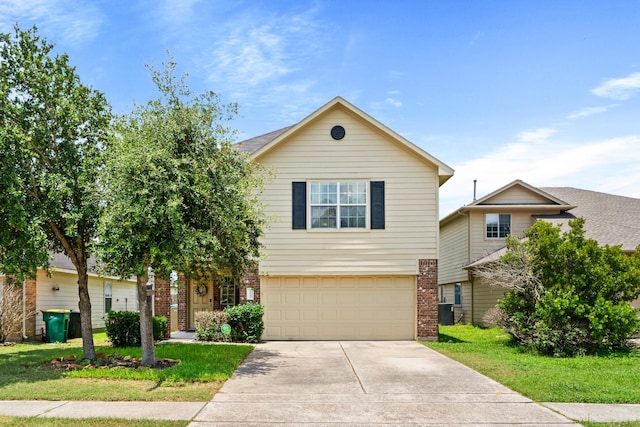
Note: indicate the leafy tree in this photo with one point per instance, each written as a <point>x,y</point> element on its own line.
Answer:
<point>567,294</point>
<point>51,130</point>
<point>178,195</point>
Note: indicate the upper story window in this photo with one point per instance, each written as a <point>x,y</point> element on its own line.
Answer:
<point>333,205</point>
<point>338,204</point>
<point>498,226</point>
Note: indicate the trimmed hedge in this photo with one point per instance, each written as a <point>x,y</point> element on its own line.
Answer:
<point>123,328</point>
<point>245,321</point>
<point>208,325</point>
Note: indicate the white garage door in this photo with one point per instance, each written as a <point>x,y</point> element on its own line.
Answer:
<point>329,308</point>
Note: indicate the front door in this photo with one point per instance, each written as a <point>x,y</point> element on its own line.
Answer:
<point>201,299</point>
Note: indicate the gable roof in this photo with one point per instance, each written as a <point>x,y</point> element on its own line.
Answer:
<point>262,144</point>
<point>610,219</point>
<point>486,199</point>
<point>547,201</point>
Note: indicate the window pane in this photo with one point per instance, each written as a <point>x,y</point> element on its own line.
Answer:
<point>353,216</point>
<point>505,225</point>
<point>353,193</point>
<point>323,217</point>
<point>457,298</point>
<point>492,225</point>
<point>314,191</point>
<point>323,193</point>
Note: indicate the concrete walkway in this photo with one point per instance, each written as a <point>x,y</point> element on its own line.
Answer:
<point>345,383</point>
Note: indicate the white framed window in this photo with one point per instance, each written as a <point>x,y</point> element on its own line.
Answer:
<point>457,294</point>
<point>498,226</point>
<point>108,297</point>
<point>338,205</point>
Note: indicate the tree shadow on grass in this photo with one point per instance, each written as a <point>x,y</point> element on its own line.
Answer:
<point>444,338</point>
<point>27,363</point>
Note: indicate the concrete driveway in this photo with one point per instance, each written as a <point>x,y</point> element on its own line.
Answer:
<point>364,383</point>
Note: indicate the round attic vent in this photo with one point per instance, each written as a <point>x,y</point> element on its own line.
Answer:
<point>337,132</point>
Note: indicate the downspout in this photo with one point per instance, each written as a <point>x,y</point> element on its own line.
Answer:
<point>24,311</point>
<point>469,240</point>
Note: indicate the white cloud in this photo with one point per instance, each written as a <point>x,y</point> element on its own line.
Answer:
<point>71,22</point>
<point>177,11</point>
<point>621,88</point>
<point>252,58</point>
<point>262,49</point>
<point>393,102</point>
<point>585,112</point>
<point>536,135</point>
<point>596,165</point>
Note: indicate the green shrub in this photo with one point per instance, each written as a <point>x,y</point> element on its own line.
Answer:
<point>208,325</point>
<point>159,328</point>
<point>246,322</point>
<point>579,301</point>
<point>123,328</point>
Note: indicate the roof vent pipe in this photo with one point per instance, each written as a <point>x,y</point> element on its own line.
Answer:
<point>474,189</point>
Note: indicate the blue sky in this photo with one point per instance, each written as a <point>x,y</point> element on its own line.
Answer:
<point>543,91</point>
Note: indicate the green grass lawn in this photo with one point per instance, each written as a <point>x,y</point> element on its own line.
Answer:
<point>590,379</point>
<point>27,373</point>
<point>86,422</point>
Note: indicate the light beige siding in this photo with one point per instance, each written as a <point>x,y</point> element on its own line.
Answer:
<point>517,195</point>
<point>481,246</point>
<point>338,307</point>
<point>411,202</point>
<point>454,251</point>
<point>123,296</point>
<point>485,297</point>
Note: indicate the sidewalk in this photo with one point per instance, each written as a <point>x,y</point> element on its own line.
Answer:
<point>189,410</point>
<point>91,409</point>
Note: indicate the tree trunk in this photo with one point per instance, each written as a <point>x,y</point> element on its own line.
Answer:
<point>146,322</point>
<point>85,315</point>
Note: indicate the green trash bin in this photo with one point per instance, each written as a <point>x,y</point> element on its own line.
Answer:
<point>57,324</point>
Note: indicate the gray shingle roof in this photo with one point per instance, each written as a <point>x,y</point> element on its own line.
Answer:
<point>254,144</point>
<point>610,219</point>
<point>64,262</point>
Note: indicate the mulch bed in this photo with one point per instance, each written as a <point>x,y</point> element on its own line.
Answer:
<point>108,361</point>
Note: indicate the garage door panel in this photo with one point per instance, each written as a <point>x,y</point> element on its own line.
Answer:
<point>356,307</point>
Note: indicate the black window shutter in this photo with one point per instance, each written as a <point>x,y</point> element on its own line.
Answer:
<point>377,205</point>
<point>299,203</point>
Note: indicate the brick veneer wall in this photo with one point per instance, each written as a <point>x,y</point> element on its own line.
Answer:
<point>251,279</point>
<point>182,302</point>
<point>162,301</point>
<point>427,297</point>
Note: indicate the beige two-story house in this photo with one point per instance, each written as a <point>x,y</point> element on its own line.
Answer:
<point>351,250</point>
<point>476,233</point>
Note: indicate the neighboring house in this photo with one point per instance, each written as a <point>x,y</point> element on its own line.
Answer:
<point>476,234</point>
<point>351,250</point>
<point>60,291</point>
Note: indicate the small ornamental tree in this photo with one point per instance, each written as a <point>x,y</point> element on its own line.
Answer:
<point>52,128</point>
<point>178,195</point>
<point>566,294</point>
